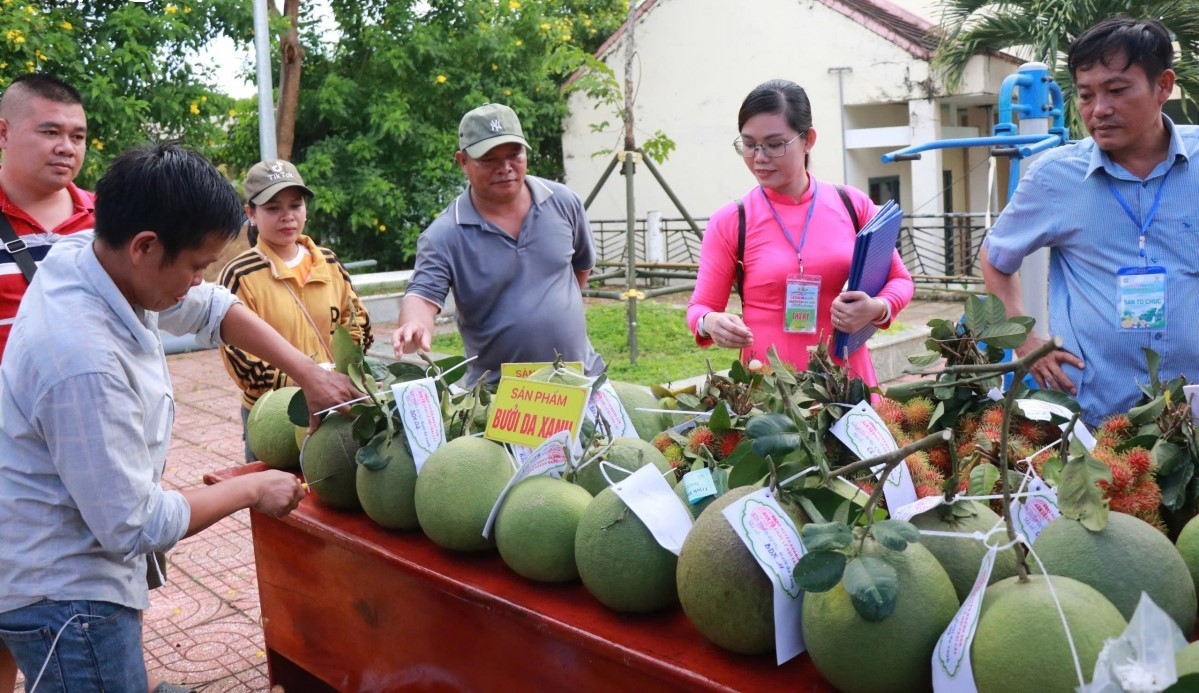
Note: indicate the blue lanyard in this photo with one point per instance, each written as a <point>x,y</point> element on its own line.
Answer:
<point>1142,227</point>
<point>803,236</point>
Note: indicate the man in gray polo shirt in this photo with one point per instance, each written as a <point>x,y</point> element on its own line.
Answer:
<point>514,249</point>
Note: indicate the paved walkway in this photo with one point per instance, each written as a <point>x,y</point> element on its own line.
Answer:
<point>203,629</point>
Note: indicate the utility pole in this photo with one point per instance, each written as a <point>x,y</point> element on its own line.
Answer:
<point>267,148</point>
<point>841,105</point>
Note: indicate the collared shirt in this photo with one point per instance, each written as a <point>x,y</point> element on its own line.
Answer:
<point>517,299</point>
<point>85,423</point>
<point>1065,203</point>
<point>38,240</point>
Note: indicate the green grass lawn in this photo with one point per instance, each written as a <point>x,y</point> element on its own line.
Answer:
<point>666,349</point>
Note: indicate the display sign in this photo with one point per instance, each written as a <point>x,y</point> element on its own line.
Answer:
<point>527,412</point>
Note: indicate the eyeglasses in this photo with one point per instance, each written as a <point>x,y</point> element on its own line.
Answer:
<point>772,149</point>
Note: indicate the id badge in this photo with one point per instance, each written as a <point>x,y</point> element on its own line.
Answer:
<point>1141,298</point>
<point>803,296</point>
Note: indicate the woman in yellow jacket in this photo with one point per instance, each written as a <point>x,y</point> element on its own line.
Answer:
<point>295,285</point>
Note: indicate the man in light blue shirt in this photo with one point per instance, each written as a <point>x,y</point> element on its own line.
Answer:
<point>1120,214</point>
<point>86,410</point>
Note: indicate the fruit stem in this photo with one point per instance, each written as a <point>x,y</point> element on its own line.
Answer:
<point>1009,402</point>
<point>929,441</point>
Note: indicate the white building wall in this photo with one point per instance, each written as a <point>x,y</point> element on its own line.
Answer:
<point>696,63</point>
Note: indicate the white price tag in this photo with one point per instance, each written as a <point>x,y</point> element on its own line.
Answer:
<point>549,459</point>
<point>923,505</point>
<point>1036,511</point>
<point>952,670</point>
<point>652,500</point>
<point>773,540</point>
<point>1036,410</point>
<point>420,411</point>
<point>866,435</point>
<point>605,401</point>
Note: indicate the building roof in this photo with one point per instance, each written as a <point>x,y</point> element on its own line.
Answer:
<point>914,34</point>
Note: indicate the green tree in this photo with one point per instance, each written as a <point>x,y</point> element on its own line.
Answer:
<point>1047,27</point>
<point>133,62</point>
<point>377,118</point>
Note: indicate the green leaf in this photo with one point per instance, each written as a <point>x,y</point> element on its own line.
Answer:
<point>370,455</point>
<point>345,351</point>
<point>825,536</point>
<point>819,571</point>
<point>773,434</point>
<point>924,358</point>
<point>982,479</point>
<point>1055,397</point>
<point>1147,412</point>
<point>778,367</point>
<point>719,422</point>
<point>895,534</point>
<point>1024,321</point>
<point>1051,471</point>
<point>364,427</point>
<point>809,508</point>
<point>873,586</point>
<point>1154,362</point>
<point>983,313</point>
<point>1174,486</point>
<point>748,467</point>
<point>297,409</point>
<point>1079,496</point>
<point>404,371</point>
<point>738,373</point>
<point>1008,335</point>
<point>1167,456</point>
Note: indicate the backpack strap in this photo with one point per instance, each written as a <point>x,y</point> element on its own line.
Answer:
<point>853,213</point>
<point>739,283</point>
<point>17,248</point>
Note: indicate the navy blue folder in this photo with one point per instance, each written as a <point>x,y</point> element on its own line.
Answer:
<point>870,268</point>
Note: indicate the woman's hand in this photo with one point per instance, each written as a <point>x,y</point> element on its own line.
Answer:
<point>727,330</point>
<point>853,310</point>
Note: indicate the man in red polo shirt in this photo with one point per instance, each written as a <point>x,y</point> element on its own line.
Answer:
<point>43,138</point>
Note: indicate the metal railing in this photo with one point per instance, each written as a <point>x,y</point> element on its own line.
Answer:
<point>940,250</point>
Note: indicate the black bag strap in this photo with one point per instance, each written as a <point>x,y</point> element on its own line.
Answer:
<point>739,283</point>
<point>853,213</point>
<point>17,248</point>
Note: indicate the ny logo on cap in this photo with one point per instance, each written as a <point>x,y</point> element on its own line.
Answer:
<point>495,126</point>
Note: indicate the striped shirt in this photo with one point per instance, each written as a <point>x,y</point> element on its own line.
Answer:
<point>38,240</point>
<point>1065,203</point>
<point>86,411</point>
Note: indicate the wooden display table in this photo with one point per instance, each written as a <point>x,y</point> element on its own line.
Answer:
<point>349,606</point>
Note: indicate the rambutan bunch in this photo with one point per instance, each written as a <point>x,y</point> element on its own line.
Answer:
<point>927,479</point>
<point>1133,489</point>
<point>699,436</point>
<point>917,413</point>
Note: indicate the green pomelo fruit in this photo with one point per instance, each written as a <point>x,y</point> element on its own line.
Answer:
<point>620,562</point>
<point>834,631</point>
<point>1186,660</point>
<point>630,454</point>
<point>961,558</point>
<point>1020,644</point>
<point>388,495</point>
<point>329,464</point>
<point>456,489</point>
<point>1188,548</point>
<point>1126,557</point>
<point>724,592</point>
<point>699,506</point>
<point>536,527</point>
<point>270,433</point>
<point>648,424</point>
<point>301,434</point>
